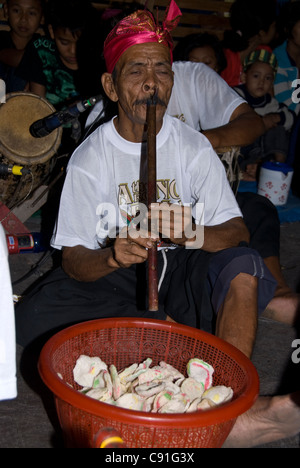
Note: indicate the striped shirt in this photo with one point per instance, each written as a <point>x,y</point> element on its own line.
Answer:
<point>284,85</point>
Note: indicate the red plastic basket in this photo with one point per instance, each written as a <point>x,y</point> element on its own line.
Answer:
<point>123,341</point>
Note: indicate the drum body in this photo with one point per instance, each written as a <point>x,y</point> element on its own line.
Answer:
<point>19,147</point>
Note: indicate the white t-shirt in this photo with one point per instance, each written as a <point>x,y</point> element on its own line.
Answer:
<point>104,173</point>
<point>200,97</point>
<point>8,380</point>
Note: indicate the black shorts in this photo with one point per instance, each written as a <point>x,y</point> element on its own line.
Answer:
<point>262,220</point>
<point>194,286</point>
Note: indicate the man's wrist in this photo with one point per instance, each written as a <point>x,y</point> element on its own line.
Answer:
<point>111,260</point>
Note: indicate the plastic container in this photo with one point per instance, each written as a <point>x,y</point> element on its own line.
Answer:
<point>25,243</point>
<point>124,341</point>
<point>275,182</point>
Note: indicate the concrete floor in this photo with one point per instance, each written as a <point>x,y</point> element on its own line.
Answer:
<point>30,420</point>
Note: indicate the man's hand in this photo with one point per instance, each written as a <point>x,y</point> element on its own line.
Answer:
<point>130,247</point>
<point>174,223</point>
<point>271,120</point>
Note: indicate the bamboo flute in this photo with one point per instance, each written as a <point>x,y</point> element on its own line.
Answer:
<point>151,188</point>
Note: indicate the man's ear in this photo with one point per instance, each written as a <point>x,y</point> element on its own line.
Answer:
<point>109,87</point>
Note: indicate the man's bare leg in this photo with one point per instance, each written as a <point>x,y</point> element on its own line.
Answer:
<point>270,419</point>
<point>285,305</point>
<point>237,318</point>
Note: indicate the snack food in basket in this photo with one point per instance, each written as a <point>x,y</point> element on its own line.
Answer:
<point>157,389</point>
<point>123,341</point>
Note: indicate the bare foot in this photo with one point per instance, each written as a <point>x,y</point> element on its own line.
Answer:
<point>284,308</point>
<point>270,419</point>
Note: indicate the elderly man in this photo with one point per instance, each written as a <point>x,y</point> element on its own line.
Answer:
<point>105,174</point>
<point>219,280</point>
<point>193,100</point>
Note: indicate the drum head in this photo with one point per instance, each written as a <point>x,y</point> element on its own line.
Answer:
<point>17,114</point>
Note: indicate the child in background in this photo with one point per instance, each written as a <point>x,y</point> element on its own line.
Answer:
<point>24,18</point>
<point>257,89</point>
<point>50,65</point>
<point>253,25</point>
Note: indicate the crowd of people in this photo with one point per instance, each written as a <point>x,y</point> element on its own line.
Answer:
<point>221,285</point>
<point>64,64</point>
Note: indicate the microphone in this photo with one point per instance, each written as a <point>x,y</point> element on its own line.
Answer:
<point>15,170</point>
<point>45,126</point>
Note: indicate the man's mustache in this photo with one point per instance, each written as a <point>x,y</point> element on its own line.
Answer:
<point>158,101</point>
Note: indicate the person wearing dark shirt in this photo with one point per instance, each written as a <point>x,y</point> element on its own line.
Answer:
<point>24,18</point>
<point>45,72</point>
<point>50,65</point>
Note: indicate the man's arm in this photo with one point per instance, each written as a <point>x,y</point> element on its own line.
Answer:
<point>225,236</point>
<point>244,128</point>
<point>174,225</point>
<point>86,265</point>
<point>38,89</point>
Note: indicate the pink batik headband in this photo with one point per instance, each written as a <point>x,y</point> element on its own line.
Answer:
<point>139,28</point>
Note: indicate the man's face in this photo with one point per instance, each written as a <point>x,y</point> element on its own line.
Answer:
<point>205,54</point>
<point>66,43</point>
<point>143,70</point>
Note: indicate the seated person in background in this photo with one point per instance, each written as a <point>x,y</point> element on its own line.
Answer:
<point>24,18</point>
<point>253,24</point>
<point>257,89</point>
<point>288,56</point>
<point>203,48</point>
<point>50,65</point>
<point>231,127</point>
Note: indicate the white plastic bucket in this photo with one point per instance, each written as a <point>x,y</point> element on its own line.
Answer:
<point>275,182</point>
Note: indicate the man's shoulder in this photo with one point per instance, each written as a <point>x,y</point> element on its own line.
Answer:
<point>185,132</point>
<point>44,43</point>
<point>194,77</point>
<point>189,69</point>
